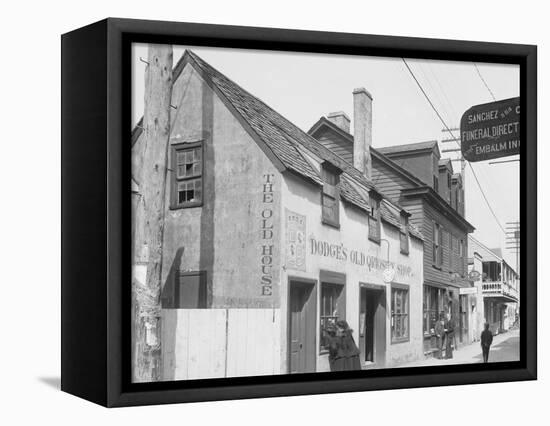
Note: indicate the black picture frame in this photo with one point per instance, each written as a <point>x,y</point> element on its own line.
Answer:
<point>96,266</point>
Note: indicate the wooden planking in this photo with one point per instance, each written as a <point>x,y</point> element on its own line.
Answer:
<point>431,273</point>
<point>388,181</point>
<point>208,343</point>
<point>253,342</point>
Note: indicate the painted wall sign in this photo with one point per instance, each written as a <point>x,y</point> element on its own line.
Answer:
<point>266,251</point>
<point>357,257</point>
<point>295,240</point>
<point>490,130</point>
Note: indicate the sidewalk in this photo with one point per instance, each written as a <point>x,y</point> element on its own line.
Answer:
<point>505,347</point>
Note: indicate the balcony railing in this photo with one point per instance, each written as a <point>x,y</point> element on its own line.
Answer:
<point>499,289</point>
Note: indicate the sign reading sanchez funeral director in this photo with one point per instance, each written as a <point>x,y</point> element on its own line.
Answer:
<point>490,130</point>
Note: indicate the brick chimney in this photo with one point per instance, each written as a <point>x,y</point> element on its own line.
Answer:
<point>362,130</point>
<point>341,119</point>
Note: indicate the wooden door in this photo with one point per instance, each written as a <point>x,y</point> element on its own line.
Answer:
<point>301,339</point>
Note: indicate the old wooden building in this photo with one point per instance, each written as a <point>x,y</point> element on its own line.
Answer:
<point>415,177</point>
<point>270,237</point>
<point>499,286</point>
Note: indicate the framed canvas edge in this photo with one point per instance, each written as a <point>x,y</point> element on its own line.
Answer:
<point>278,39</point>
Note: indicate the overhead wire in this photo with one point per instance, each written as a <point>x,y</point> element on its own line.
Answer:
<point>456,140</point>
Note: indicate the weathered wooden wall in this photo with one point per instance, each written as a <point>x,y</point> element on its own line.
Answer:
<point>209,343</point>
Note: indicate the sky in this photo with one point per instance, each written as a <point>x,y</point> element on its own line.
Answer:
<point>305,86</point>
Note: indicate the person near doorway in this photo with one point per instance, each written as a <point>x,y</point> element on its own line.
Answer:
<point>349,348</point>
<point>449,336</point>
<point>486,341</point>
<point>439,330</point>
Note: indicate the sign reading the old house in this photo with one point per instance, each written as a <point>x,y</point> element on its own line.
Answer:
<point>490,130</point>
<point>295,240</point>
<point>266,229</point>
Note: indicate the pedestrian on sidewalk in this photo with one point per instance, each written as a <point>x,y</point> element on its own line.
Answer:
<point>486,341</point>
<point>348,347</point>
<point>449,335</point>
<point>439,330</point>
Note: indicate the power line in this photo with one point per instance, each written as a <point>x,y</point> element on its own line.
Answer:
<point>453,136</point>
<point>484,82</point>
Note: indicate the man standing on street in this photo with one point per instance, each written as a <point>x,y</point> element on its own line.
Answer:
<point>486,341</point>
<point>439,330</point>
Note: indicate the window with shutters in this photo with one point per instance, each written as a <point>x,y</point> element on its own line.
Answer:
<point>404,234</point>
<point>437,245</point>
<point>374,219</point>
<point>330,196</point>
<point>187,175</point>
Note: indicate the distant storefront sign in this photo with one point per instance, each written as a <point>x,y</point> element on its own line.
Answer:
<point>295,241</point>
<point>467,290</point>
<point>490,130</point>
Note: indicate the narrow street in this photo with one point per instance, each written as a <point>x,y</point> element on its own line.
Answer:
<point>505,347</point>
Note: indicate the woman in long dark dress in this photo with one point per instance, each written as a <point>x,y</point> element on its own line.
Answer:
<point>349,349</point>
<point>336,357</point>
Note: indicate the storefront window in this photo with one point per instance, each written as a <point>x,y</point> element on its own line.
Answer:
<point>433,305</point>
<point>399,314</point>
<point>330,294</point>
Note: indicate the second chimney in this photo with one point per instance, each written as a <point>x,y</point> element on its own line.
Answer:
<point>362,130</point>
<point>341,119</point>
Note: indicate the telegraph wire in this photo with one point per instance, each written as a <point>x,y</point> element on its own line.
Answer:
<point>456,140</point>
<point>484,82</point>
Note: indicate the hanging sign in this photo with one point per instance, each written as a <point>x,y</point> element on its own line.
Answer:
<point>474,275</point>
<point>490,130</point>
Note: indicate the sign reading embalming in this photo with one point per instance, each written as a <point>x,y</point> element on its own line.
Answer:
<point>490,130</point>
<point>295,240</point>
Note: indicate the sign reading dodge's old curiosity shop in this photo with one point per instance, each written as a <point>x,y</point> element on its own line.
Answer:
<point>490,130</point>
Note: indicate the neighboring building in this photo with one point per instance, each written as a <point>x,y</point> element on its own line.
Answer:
<point>270,237</point>
<point>500,287</point>
<point>414,177</point>
<point>477,317</point>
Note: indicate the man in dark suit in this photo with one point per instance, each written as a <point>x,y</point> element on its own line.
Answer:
<point>449,334</point>
<point>486,341</point>
<point>439,331</point>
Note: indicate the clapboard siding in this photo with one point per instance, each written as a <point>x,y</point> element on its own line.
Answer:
<point>431,273</point>
<point>388,181</point>
<point>336,143</point>
<point>208,343</point>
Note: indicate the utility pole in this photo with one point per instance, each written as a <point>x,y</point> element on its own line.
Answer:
<point>149,216</point>
<point>513,240</point>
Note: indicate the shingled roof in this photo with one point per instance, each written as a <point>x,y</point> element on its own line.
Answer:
<point>280,139</point>
<point>419,146</point>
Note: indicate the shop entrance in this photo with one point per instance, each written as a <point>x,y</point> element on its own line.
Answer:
<point>372,325</point>
<point>301,326</point>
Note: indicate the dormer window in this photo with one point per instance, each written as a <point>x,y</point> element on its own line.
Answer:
<point>374,218</point>
<point>436,184</point>
<point>330,198</point>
